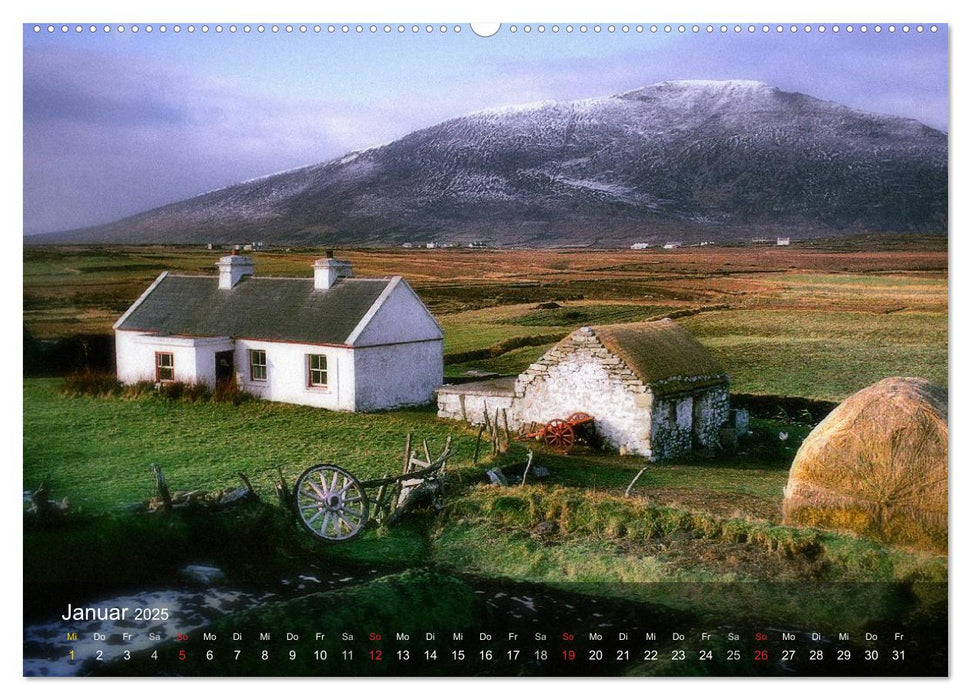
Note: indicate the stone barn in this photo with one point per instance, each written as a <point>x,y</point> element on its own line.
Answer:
<point>652,388</point>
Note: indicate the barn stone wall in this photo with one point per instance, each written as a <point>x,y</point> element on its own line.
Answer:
<point>580,374</point>
<point>671,426</point>
<point>711,409</point>
<point>684,422</point>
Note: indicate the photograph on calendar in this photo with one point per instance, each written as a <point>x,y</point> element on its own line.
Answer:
<point>485,350</point>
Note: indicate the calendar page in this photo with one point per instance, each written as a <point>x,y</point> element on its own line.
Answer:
<point>450,350</point>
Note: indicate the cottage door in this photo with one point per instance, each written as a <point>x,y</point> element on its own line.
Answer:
<point>224,367</point>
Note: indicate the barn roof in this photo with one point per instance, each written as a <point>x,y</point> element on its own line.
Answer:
<point>662,354</point>
<point>265,308</point>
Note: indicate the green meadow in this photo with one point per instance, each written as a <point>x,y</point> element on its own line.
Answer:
<point>805,322</point>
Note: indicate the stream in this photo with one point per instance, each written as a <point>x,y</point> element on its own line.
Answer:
<point>47,650</point>
<point>513,606</point>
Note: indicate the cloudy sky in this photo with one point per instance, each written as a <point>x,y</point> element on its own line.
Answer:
<point>115,124</point>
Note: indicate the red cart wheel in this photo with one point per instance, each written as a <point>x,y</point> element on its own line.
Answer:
<point>578,417</point>
<point>559,435</point>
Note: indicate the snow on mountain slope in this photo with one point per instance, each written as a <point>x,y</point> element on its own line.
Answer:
<point>702,159</point>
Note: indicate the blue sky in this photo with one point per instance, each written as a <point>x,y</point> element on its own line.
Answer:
<point>118,123</point>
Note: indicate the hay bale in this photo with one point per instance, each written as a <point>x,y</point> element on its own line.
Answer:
<point>877,465</point>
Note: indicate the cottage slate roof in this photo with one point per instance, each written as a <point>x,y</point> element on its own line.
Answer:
<point>662,354</point>
<point>264,308</point>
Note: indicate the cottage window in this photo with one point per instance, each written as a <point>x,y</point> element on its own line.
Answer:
<point>164,367</point>
<point>318,370</point>
<point>257,365</point>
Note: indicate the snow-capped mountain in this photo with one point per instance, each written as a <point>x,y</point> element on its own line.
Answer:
<point>696,159</point>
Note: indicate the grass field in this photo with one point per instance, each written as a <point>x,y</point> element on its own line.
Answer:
<point>817,320</point>
<point>688,520</point>
<point>687,523</point>
<point>98,451</point>
<point>823,355</point>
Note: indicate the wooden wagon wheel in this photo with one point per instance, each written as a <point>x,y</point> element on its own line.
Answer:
<point>578,417</point>
<point>331,503</point>
<point>558,434</point>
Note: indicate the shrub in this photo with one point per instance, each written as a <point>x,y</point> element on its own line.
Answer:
<point>229,392</point>
<point>91,383</point>
<point>106,385</point>
<point>185,391</point>
<point>137,390</point>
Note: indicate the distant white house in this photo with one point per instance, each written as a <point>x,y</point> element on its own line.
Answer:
<point>640,246</point>
<point>333,341</point>
<point>671,245</point>
<point>782,240</point>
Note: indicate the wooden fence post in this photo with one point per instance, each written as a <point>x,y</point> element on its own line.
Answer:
<point>529,464</point>
<point>162,488</point>
<point>478,439</point>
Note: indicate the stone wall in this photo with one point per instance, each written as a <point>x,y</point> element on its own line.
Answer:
<point>711,411</point>
<point>471,402</point>
<point>472,408</point>
<point>671,426</point>
<point>579,374</point>
<point>688,421</point>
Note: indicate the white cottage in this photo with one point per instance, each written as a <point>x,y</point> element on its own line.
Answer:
<point>652,388</point>
<point>334,341</point>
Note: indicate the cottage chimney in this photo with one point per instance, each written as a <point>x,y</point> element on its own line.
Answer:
<point>328,270</point>
<point>232,268</point>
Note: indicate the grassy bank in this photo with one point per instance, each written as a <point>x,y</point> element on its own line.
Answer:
<point>98,451</point>
<point>695,520</point>
<point>557,530</point>
<point>720,568</point>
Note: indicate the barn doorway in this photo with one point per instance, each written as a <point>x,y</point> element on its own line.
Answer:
<point>224,367</point>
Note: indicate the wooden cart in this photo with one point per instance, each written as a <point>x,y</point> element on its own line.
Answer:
<point>333,505</point>
<point>561,434</point>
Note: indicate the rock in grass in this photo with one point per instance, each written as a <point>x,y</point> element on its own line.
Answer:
<point>497,477</point>
<point>201,573</point>
<point>877,465</point>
